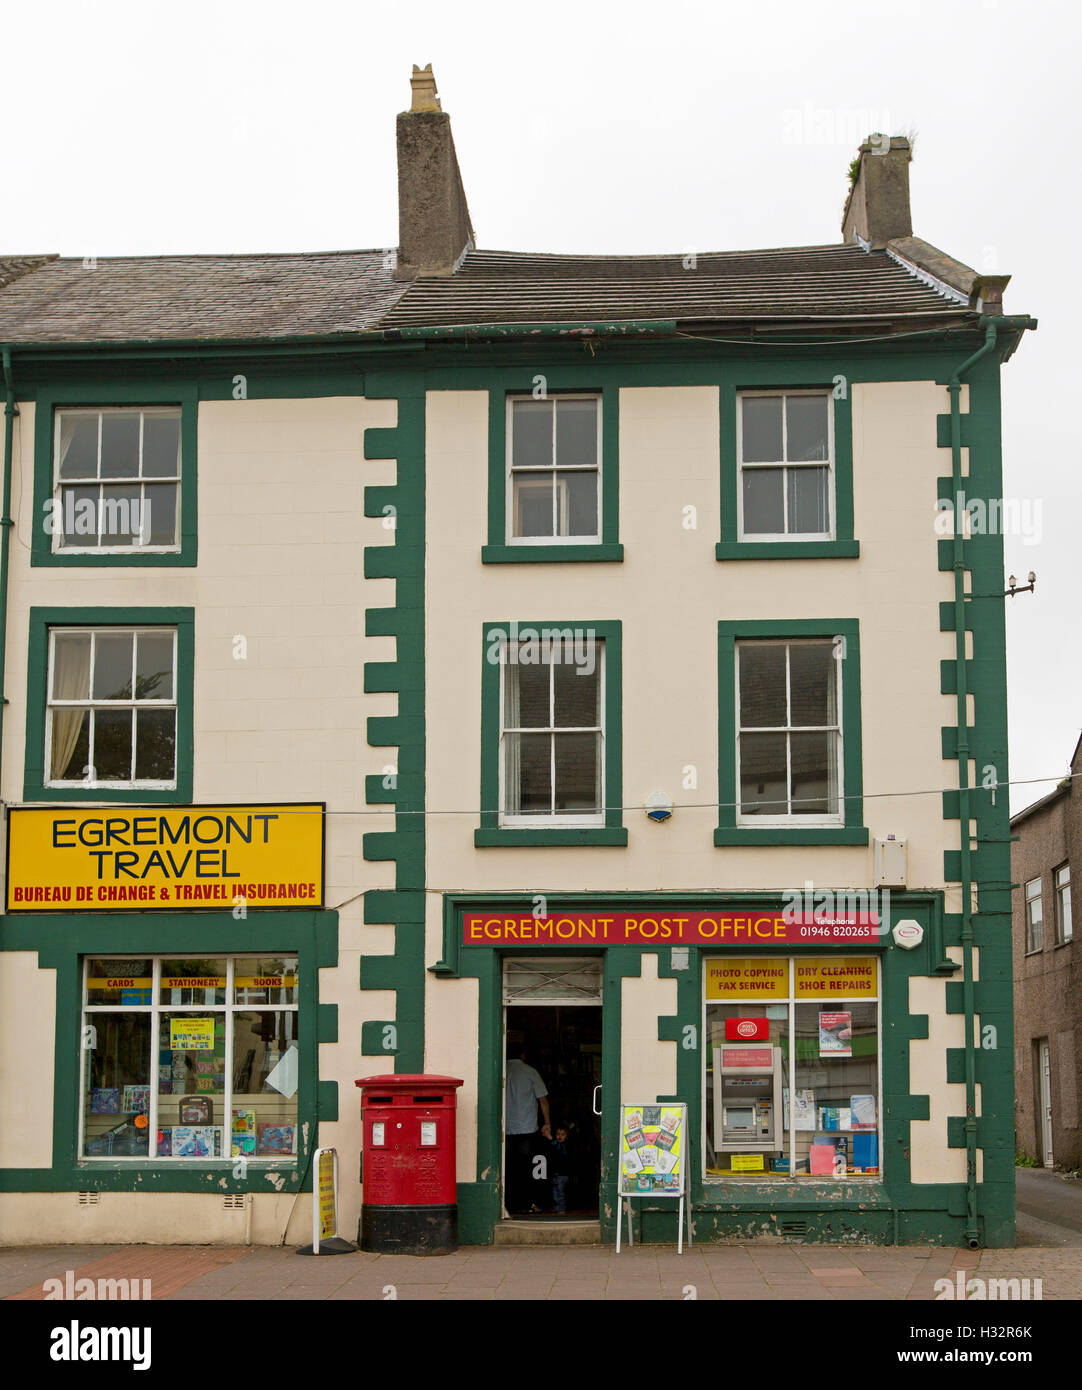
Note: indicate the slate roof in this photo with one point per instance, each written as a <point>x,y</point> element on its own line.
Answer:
<point>173,298</point>
<point>807,283</point>
<point>158,298</point>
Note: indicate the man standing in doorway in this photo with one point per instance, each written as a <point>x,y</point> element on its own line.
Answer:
<point>525,1091</point>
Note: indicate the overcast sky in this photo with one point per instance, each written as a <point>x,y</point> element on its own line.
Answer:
<point>136,128</point>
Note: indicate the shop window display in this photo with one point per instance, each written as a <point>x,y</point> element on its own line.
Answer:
<point>191,1059</point>
<point>792,1068</point>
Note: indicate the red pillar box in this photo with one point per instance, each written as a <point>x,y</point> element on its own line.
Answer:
<point>409,1203</point>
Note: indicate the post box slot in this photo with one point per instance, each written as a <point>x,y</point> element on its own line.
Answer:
<point>427,1100</point>
<point>380,1100</point>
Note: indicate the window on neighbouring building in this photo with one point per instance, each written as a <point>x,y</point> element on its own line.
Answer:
<point>555,469</point>
<point>789,741</point>
<point>792,1067</point>
<point>786,465</point>
<point>111,712</point>
<point>190,1059</point>
<point>552,743</point>
<point>1061,879</point>
<point>116,479</point>
<point>1034,916</point>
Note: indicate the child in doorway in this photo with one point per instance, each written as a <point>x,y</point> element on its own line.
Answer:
<point>560,1168</point>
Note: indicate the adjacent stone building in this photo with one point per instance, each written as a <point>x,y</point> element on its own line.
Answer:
<point>1048,989</point>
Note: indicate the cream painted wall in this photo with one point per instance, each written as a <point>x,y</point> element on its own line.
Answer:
<point>153,1218</point>
<point>669,593</point>
<point>647,1065</point>
<point>282,533</point>
<point>930,1159</point>
<point>27,1030</point>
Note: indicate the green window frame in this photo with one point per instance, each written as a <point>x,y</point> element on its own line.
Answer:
<point>87,395</point>
<point>611,831</point>
<point>41,621</point>
<point>852,831</point>
<point>499,550</point>
<point>731,547</point>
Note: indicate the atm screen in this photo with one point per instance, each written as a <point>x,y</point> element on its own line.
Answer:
<point>740,1116</point>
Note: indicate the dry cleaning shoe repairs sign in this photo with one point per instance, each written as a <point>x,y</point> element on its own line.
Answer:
<point>164,858</point>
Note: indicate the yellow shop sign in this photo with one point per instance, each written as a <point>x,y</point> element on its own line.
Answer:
<point>169,859</point>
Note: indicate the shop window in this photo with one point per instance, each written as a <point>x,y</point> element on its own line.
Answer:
<point>1061,878</point>
<point>1034,916</point>
<point>792,1068</point>
<point>190,1059</point>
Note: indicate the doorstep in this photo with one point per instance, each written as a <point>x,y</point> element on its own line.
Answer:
<point>546,1231</point>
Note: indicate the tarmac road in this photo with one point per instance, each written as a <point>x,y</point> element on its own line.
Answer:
<point>1049,1209</point>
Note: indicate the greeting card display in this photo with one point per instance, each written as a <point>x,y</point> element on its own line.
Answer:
<point>105,1100</point>
<point>136,1100</point>
<point>276,1139</point>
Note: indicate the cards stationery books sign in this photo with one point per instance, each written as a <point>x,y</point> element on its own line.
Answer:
<point>836,1034</point>
<point>196,1110</point>
<point>105,1100</point>
<point>276,1139</point>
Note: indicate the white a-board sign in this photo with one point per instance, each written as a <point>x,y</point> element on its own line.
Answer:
<point>654,1163</point>
<point>325,1237</point>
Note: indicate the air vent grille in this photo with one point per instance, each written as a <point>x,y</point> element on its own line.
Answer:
<point>89,1199</point>
<point>233,1203</point>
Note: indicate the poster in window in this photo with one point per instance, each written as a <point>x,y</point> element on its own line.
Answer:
<point>862,1109</point>
<point>136,1100</point>
<point>191,1034</point>
<point>195,1141</point>
<point>836,1034</point>
<point>105,1100</point>
<point>277,1139</point>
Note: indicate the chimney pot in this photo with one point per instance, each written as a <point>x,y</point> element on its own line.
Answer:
<point>423,86</point>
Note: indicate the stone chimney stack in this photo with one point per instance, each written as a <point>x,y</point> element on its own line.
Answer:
<point>877,209</point>
<point>434,229</point>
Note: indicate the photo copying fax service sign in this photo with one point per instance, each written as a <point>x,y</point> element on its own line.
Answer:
<point>653,1162</point>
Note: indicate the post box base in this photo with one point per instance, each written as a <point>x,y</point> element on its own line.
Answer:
<point>409,1230</point>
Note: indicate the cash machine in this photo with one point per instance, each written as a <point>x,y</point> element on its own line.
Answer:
<point>747,1097</point>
